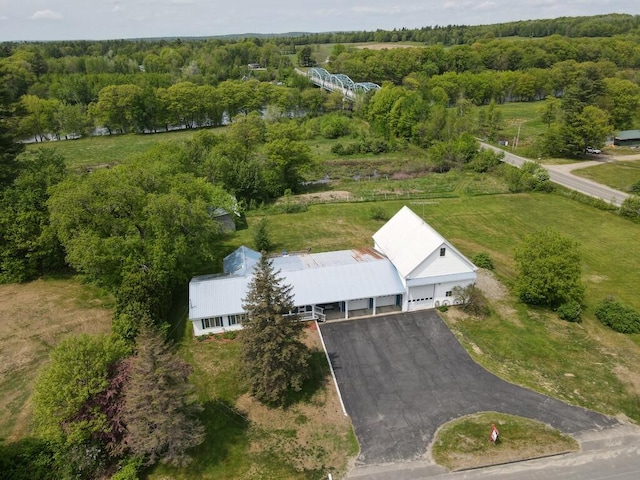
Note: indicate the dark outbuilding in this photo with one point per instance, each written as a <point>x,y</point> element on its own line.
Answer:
<point>627,138</point>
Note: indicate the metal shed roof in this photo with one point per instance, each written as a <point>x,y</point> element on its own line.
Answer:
<point>316,279</point>
<point>628,135</point>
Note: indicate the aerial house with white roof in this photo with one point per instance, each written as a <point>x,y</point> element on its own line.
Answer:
<point>411,267</point>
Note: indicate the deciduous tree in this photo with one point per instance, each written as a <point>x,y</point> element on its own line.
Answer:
<point>70,408</point>
<point>549,269</point>
<point>28,244</point>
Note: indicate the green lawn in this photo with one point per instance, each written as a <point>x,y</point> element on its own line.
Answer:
<point>493,223</point>
<point>464,443</point>
<point>619,175</point>
<point>108,149</point>
<point>524,116</point>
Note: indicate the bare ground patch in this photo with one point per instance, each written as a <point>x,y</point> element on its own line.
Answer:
<point>34,317</point>
<point>329,196</point>
<point>497,294</point>
<point>383,46</point>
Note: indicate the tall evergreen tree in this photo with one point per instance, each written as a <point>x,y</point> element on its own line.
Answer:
<point>261,236</point>
<point>9,147</point>
<point>274,359</point>
<point>160,410</point>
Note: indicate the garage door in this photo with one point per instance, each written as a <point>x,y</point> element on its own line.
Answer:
<point>386,301</point>
<point>421,297</point>
<point>359,304</point>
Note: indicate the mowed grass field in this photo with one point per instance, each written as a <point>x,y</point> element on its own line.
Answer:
<point>620,175</point>
<point>105,150</point>
<point>34,317</point>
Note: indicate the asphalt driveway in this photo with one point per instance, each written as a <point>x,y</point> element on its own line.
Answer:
<point>402,376</point>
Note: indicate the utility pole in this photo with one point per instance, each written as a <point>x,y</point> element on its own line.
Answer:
<point>515,146</point>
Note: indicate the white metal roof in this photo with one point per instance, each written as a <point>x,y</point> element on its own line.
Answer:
<point>316,279</point>
<point>407,240</point>
<point>241,261</point>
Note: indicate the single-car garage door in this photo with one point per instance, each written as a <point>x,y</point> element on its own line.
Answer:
<point>421,297</point>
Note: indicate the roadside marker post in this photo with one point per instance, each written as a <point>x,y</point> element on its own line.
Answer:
<point>494,433</point>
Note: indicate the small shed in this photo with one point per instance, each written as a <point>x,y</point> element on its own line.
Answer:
<point>225,218</point>
<point>627,138</point>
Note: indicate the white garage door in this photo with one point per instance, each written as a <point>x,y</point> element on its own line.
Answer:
<point>359,304</point>
<point>386,301</point>
<point>421,297</point>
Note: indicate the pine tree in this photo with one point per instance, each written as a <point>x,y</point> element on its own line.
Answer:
<point>274,359</point>
<point>160,410</point>
<point>261,236</point>
<point>9,147</point>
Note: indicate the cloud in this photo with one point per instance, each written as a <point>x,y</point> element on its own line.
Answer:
<point>485,6</point>
<point>390,10</point>
<point>46,15</point>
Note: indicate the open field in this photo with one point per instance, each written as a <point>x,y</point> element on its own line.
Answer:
<point>620,175</point>
<point>34,317</point>
<point>524,116</point>
<point>108,149</point>
<point>492,223</point>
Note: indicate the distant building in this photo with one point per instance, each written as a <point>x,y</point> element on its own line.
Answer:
<point>627,138</point>
<point>411,267</point>
<point>225,218</point>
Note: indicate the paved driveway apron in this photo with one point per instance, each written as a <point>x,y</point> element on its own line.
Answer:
<point>402,376</point>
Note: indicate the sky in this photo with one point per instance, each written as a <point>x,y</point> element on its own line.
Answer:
<point>116,19</point>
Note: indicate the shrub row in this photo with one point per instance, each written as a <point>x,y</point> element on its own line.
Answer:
<point>618,316</point>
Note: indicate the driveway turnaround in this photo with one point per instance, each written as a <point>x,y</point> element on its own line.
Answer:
<point>402,376</point>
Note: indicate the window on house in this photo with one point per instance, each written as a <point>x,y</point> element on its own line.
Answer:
<point>236,319</point>
<point>212,322</point>
<point>443,251</point>
<point>449,294</point>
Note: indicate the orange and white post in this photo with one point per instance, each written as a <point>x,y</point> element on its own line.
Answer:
<point>494,433</point>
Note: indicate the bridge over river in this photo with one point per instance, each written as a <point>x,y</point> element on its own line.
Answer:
<point>339,82</point>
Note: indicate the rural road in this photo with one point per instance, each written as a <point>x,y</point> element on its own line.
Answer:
<point>561,174</point>
<point>605,455</point>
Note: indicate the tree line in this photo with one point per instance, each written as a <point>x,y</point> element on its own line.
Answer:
<point>447,35</point>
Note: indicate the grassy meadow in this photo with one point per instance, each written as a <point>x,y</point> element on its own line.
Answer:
<point>105,150</point>
<point>620,175</point>
<point>34,317</point>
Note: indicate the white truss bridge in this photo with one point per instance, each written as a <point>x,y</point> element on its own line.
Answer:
<point>339,82</point>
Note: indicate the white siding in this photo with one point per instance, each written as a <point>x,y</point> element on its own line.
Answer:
<point>442,289</point>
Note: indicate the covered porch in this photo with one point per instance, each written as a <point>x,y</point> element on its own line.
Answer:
<point>361,307</point>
